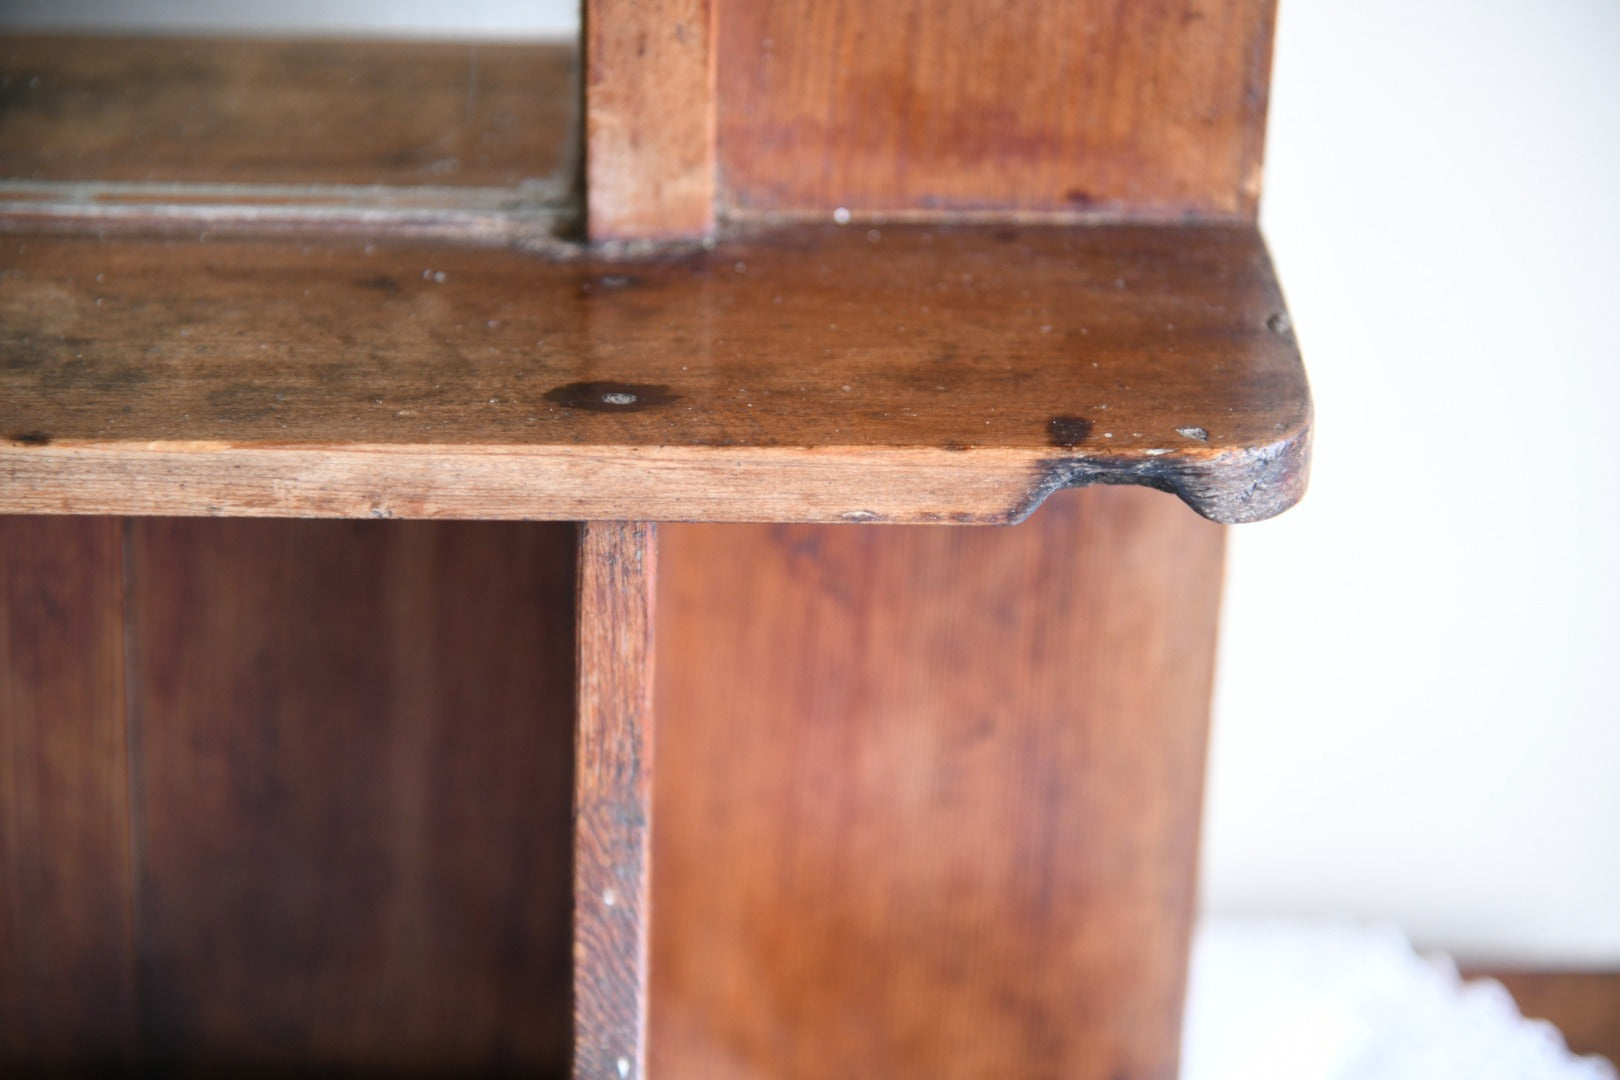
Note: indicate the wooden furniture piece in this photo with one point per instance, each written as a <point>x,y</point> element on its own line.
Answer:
<point>830,279</point>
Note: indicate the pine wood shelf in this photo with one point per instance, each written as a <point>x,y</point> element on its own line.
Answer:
<point>815,373</point>
<point>374,795</point>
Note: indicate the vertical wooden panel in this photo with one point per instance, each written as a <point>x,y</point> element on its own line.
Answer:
<point>354,765</point>
<point>931,795</point>
<point>613,780</point>
<point>66,957</point>
<point>649,119</point>
<point>1149,108</point>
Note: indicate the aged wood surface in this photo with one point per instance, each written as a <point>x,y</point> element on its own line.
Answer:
<point>613,765</point>
<point>649,119</point>
<point>266,111</point>
<point>929,797</point>
<point>1089,108</point>
<point>474,141</point>
<point>353,763</point>
<point>67,959</point>
<point>810,374</point>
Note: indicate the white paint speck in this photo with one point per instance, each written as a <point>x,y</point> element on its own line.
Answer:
<point>610,898</point>
<point>841,215</point>
<point>624,1068</point>
<point>618,397</point>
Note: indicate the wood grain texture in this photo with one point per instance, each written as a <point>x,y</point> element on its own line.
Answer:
<point>613,762</point>
<point>1583,1005</point>
<point>215,136</point>
<point>354,768</point>
<point>810,374</point>
<point>67,958</point>
<point>931,796</point>
<point>649,119</point>
<point>1088,108</point>
<point>286,112</point>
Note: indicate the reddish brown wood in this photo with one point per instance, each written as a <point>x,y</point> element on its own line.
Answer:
<point>930,799</point>
<point>353,762</point>
<point>811,374</point>
<point>1080,108</point>
<point>290,112</point>
<point>612,798</point>
<point>67,961</point>
<point>1583,1005</point>
<point>209,137</point>
<point>649,119</point>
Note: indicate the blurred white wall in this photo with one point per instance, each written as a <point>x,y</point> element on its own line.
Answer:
<point>1418,716</point>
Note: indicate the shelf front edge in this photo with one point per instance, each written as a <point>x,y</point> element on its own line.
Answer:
<point>803,374</point>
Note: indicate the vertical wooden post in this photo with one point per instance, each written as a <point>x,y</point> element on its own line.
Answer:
<point>612,793</point>
<point>649,119</point>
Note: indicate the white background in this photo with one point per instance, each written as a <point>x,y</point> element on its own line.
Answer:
<point>1419,707</point>
<point>1417,714</point>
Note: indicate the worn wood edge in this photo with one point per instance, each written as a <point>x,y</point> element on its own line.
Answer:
<point>1229,485</point>
<point>613,762</point>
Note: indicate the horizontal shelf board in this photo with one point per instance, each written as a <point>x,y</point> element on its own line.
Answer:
<point>447,138</point>
<point>811,373</point>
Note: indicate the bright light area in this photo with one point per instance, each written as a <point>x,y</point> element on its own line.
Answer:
<point>1418,719</point>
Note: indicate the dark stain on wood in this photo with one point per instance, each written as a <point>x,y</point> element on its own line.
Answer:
<point>1068,431</point>
<point>1230,486</point>
<point>32,438</point>
<point>608,396</point>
